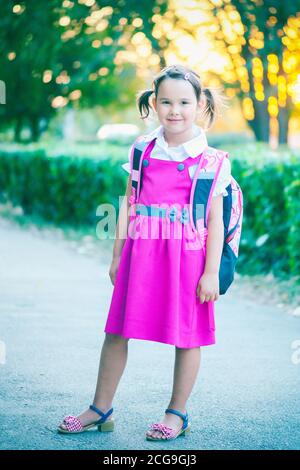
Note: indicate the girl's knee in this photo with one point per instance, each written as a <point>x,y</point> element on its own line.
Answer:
<point>115,338</point>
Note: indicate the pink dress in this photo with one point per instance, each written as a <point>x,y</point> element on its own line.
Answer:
<point>154,296</point>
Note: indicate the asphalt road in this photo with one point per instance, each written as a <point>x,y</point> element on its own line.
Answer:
<point>53,306</point>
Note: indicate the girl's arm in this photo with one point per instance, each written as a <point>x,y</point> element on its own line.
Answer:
<point>121,232</point>
<point>208,286</point>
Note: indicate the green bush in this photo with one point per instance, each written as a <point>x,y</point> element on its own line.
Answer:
<point>270,182</point>
<point>61,189</point>
<point>292,193</point>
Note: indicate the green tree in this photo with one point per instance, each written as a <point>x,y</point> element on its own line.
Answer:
<point>60,51</point>
<point>265,58</point>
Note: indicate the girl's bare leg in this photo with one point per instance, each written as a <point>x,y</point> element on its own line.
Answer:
<point>112,364</point>
<point>187,363</point>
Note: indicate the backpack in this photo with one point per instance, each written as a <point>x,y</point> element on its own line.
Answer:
<point>203,184</point>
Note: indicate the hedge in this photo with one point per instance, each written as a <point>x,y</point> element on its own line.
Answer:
<point>61,189</point>
<point>67,189</point>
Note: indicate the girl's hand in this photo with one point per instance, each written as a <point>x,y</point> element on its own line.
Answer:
<point>114,268</point>
<point>208,287</point>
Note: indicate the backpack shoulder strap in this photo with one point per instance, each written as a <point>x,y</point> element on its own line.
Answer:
<point>135,157</point>
<point>139,148</point>
<point>204,182</point>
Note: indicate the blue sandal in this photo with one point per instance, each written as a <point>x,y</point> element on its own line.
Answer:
<point>167,432</point>
<point>74,425</point>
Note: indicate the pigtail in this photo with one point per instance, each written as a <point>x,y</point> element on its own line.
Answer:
<point>143,102</point>
<point>214,101</point>
<point>210,107</point>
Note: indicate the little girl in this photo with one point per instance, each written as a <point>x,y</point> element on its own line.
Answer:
<point>164,286</point>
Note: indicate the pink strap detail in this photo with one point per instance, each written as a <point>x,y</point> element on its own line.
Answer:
<point>132,198</point>
<point>165,430</point>
<point>192,161</point>
<point>72,423</point>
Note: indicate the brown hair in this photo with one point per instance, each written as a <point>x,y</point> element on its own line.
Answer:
<point>180,72</point>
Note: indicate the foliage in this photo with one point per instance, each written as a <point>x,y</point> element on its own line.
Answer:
<point>61,53</point>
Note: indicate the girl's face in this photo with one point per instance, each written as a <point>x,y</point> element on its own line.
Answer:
<point>176,105</point>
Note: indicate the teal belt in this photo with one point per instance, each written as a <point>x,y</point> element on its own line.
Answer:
<point>162,212</point>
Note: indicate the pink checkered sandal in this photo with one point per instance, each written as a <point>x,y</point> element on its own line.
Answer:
<point>74,425</point>
<point>169,433</point>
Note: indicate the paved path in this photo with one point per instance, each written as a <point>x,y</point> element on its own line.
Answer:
<point>53,307</point>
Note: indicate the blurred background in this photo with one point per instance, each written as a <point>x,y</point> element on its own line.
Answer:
<point>70,72</point>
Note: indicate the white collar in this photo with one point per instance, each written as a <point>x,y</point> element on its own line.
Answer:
<point>192,147</point>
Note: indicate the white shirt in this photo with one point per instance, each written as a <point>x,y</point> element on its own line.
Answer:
<point>191,148</point>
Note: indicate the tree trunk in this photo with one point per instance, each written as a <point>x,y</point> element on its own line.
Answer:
<point>34,128</point>
<point>284,113</point>
<point>283,121</point>
<point>261,122</point>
